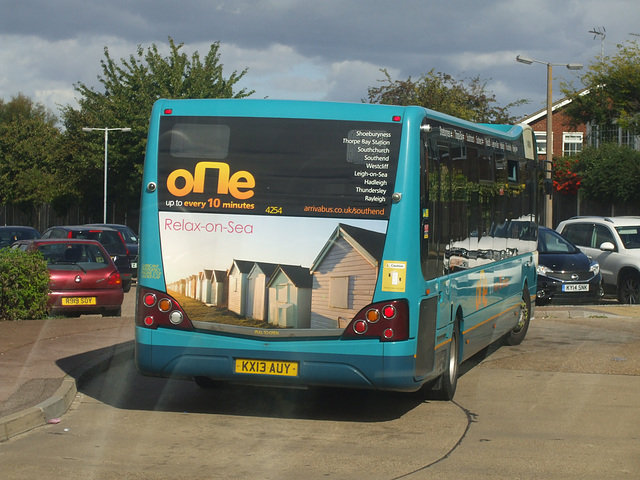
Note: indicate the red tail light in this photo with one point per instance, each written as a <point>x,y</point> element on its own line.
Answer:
<point>387,321</point>
<point>115,279</point>
<point>158,309</point>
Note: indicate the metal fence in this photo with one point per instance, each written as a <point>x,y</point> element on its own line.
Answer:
<point>45,217</point>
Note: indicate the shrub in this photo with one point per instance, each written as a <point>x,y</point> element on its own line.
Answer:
<point>24,285</point>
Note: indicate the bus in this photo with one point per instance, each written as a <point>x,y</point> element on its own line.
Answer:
<point>311,244</point>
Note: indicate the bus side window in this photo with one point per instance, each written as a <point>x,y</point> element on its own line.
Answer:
<point>437,210</point>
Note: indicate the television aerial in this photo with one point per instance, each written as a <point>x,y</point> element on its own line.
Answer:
<point>602,33</point>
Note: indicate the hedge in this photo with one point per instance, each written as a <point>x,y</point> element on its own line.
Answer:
<point>24,285</point>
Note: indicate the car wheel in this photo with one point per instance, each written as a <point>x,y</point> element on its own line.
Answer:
<point>629,288</point>
<point>516,336</point>
<point>117,312</point>
<point>126,286</point>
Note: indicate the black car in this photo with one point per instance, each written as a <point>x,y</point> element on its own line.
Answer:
<point>565,274</point>
<point>110,239</point>
<point>130,238</point>
<point>12,233</point>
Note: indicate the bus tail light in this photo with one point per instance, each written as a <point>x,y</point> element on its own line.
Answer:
<point>387,321</point>
<point>158,309</point>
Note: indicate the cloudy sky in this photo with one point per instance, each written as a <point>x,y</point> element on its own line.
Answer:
<point>313,49</point>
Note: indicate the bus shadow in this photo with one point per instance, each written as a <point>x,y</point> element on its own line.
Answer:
<point>115,381</point>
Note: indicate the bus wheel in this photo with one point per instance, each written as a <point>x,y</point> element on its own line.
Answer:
<point>515,336</point>
<point>445,386</point>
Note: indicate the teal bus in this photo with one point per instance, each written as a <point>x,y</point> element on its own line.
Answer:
<point>303,244</point>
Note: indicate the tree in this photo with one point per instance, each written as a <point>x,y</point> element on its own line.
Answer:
<point>22,106</point>
<point>442,92</point>
<point>613,85</point>
<point>129,89</point>
<point>29,149</point>
<point>610,173</point>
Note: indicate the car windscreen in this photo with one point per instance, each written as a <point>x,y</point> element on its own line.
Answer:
<point>60,256</point>
<point>552,242</point>
<point>630,236</point>
<point>110,240</point>
<point>10,235</point>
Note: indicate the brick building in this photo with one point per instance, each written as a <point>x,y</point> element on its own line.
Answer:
<point>567,140</point>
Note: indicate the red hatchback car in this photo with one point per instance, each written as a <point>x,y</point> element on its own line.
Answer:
<point>83,278</point>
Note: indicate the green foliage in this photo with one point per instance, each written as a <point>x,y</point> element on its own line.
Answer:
<point>614,91</point>
<point>24,285</point>
<point>445,94</point>
<point>22,106</point>
<point>29,148</point>
<point>129,89</point>
<point>610,173</point>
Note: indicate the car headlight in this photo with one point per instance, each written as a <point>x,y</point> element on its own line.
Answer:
<point>595,268</point>
<point>542,270</point>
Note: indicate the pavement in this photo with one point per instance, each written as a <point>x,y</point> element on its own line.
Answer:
<point>43,362</point>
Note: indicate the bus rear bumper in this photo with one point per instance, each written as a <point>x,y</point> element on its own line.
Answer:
<point>317,369</point>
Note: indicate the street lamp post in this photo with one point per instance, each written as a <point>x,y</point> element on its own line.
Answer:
<point>549,155</point>
<point>106,149</point>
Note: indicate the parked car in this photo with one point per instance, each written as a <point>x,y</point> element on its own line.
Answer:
<point>82,277</point>
<point>565,274</point>
<point>110,239</point>
<point>131,239</point>
<point>13,233</point>
<point>613,242</point>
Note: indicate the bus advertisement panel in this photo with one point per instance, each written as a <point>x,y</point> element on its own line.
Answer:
<point>323,190</point>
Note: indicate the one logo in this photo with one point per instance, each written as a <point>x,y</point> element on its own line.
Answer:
<point>239,185</point>
<point>574,276</point>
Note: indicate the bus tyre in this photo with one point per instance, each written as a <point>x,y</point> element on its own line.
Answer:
<point>445,387</point>
<point>516,336</point>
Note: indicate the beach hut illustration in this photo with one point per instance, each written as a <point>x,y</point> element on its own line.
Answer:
<point>238,274</point>
<point>192,281</point>
<point>203,288</point>
<point>290,296</point>
<point>256,294</point>
<point>344,275</point>
<point>218,288</point>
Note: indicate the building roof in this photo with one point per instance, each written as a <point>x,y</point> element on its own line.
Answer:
<point>558,105</point>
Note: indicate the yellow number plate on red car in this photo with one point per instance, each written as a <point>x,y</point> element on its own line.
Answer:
<point>66,301</point>
<point>267,367</point>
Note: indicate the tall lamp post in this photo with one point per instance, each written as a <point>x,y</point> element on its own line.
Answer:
<point>549,160</point>
<point>106,149</point>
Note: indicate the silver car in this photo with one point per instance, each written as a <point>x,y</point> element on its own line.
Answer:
<point>613,242</point>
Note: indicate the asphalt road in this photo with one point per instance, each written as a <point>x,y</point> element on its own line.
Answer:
<point>563,405</point>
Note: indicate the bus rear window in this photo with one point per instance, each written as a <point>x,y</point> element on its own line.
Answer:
<point>199,140</point>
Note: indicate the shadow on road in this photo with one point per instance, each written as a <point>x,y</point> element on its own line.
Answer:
<point>115,381</point>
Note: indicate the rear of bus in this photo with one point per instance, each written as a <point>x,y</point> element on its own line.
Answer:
<point>265,249</point>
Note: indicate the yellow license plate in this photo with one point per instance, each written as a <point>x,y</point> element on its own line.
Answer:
<point>78,301</point>
<point>267,367</point>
